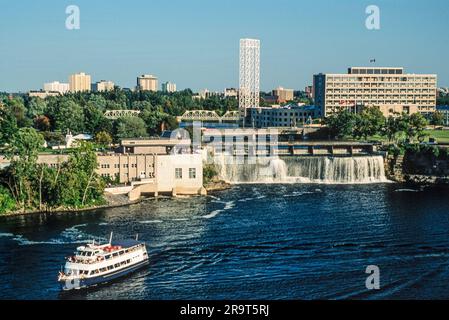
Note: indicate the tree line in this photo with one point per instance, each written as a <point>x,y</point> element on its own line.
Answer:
<point>371,122</point>
<point>27,184</point>
<point>84,113</point>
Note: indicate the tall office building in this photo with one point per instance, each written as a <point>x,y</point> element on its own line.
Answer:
<point>80,82</point>
<point>389,89</point>
<point>102,86</point>
<point>249,90</point>
<point>147,82</point>
<point>56,86</point>
<point>169,87</point>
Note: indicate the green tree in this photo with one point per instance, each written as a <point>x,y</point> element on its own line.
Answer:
<point>416,126</point>
<point>36,107</point>
<point>7,202</point>
<point>68,116</point>
<point>341,124</point>
<point>95,121</point>
<point>437,119</point>
<point>23,153</point>
<point>130,127</point>
<point>8,125</point>
<point>368,123</point>
<point>153,118</point>
<point>103,138</point>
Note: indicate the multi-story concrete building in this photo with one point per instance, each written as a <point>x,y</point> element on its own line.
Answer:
<point>57,86</point>
<point>151,165</point>
<point>169,87</point>
<point>389,89</point>
<point>283,95</point>
<point>103,86</point>
<point>147,82</point>
<point>80,82</point>
<point>289,116</point>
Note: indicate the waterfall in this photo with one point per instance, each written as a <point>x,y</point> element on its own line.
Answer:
<point>318,169</point>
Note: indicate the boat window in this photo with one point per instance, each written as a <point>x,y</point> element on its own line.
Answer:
<point>117,265</point>
<point>110,267</point>
<point>108,257</point>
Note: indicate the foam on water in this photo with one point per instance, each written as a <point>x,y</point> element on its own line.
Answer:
<point>406,190</point>
<point>306,170</point>
<point>68,236</point>
<point>228,206</point>
<point>151,221</point>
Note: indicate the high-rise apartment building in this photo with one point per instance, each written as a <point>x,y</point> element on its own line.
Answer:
<point>389,89</point>
<point>169,87</point>
<point>147,82</point>
<point>80,82</point>
<point>249,89</point>
<point>103,86</point>
<point>56,86</point>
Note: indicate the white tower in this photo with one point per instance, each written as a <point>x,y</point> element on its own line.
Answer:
<point>249,75</point>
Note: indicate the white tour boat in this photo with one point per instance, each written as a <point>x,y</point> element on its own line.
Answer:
<point>94,263</point>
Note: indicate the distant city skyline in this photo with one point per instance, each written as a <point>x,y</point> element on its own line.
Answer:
<point>195,44</point>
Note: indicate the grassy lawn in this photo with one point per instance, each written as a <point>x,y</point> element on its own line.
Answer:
<point>442,136</point>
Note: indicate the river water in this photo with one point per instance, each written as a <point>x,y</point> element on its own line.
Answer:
<point>294,241</point>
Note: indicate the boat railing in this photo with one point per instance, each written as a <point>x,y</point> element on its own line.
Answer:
<point>104,258</point>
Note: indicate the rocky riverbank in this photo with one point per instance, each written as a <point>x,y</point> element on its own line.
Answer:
<point>111,201</point>
<point>397,169</point>
<point>217,185</point>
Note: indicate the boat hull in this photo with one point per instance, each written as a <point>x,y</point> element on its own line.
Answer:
<point>94,281</point>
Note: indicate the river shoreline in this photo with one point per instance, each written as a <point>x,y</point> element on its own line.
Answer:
<point>113,201</point>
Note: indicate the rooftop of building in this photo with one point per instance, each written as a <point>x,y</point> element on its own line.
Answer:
<point>160,142</point>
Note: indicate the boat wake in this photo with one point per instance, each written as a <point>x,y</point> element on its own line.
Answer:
<point>228,206</point>
<point>72,235</point>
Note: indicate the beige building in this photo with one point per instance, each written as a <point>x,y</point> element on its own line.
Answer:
<point>57,86</point>
<point>147,83</point>
<point>149,166</point>
<point>80,82</point>
<point>43,94</point>
<point>386,88</point>
<point>154,146</point>
<point>103,86</point>
<point>169,173</point>
<point>283,95</point>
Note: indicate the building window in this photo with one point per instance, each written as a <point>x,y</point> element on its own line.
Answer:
<point>178,173</point>
<point>192,173</point>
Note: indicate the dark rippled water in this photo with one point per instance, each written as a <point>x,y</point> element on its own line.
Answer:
<point>251,242</point>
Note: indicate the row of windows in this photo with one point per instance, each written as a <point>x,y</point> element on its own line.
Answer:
<point>387,91</point>
<point>382,79</point>
<point>126,165</point>
<point>115,266</point>
<point>116,175</point>
<point>285,114</point>
<point>178,173</point>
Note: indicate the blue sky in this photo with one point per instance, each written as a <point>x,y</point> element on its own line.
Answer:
<point>194,43</point>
